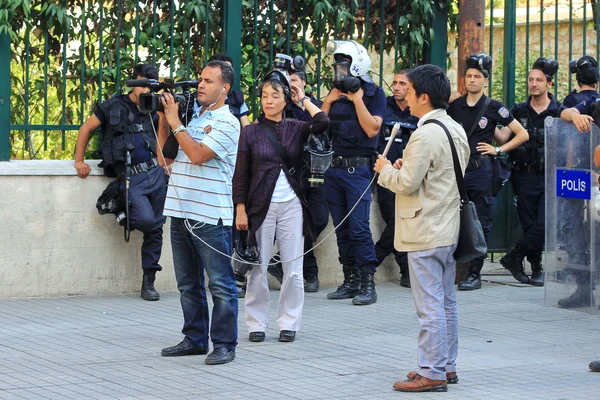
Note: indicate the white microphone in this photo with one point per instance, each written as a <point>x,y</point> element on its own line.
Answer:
<point>395,131</point>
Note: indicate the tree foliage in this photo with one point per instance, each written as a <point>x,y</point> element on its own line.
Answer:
<point>68,55</point>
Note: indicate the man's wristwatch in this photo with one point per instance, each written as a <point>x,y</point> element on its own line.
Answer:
<point>178,129</point>
<point>498,150</point>
<point>301,102</point>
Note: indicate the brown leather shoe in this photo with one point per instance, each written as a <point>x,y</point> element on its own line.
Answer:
<point>421,384</point>
<point>451,377</point>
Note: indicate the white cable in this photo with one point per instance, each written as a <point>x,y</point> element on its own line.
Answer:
<point>190,228</point>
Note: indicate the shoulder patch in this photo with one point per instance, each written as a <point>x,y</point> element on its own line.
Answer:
<point>483,122</point>
<point>503,111</point>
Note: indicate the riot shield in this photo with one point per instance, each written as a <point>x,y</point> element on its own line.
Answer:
<point>572,217</point>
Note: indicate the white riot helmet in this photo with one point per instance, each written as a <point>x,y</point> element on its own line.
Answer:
<point>351,61</point>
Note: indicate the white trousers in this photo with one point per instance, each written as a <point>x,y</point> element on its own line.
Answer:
<point>284,224</point>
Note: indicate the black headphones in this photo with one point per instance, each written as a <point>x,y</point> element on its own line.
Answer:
<point>279,76</point>
<point>547,65</point>
<point>480,61</point>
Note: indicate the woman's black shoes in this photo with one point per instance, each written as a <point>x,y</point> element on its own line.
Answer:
<point>256,337</point>
<point>287,336</point>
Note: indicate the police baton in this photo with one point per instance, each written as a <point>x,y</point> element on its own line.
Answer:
<point>127,231</point>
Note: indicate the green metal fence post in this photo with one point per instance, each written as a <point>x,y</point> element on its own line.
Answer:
<point>233,36</point>
<point>510,50</point>
<point>438,50</point>
<point>4,97</point>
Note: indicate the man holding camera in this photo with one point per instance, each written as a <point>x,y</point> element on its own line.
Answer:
<point>479,116</point>
<point>355,107</point>
<point>199,202</point>
<point>128,133</point>
<point>528,179</point>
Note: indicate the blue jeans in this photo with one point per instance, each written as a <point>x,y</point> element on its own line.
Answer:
<point>191,258</point>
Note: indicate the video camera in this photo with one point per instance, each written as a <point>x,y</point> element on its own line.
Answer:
<point>150,102</point>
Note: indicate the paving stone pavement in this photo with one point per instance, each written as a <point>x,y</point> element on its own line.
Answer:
<point>511,347</point>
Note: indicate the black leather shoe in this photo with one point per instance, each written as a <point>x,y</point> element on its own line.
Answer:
<point>311,285</point>
<point>349,288</point>
<point>148,291</point>
<point>515,265</point>
<point>581,298</point>
<point>405,281</point>
<point>595,366</point>
<point>276,270</point>
<point>256,337</point>
<point>367,293</point>
<point>537,277</point>
<point>220,355</point>
<point>472,282</point>
<point>185,348</point>
<point>287,336</point>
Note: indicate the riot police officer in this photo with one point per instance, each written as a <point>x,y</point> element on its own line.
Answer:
<point>528,173</point>
<point>586,73</point>
<point>355,107</point>
<point>127,130</point>
<point>479,116</point>
<point>397,110</point>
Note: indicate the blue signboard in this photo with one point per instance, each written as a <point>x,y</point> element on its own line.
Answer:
<point>574,184</point>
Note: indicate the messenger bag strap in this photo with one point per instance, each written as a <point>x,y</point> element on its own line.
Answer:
<point>460,179</point>
<point>279,148</point>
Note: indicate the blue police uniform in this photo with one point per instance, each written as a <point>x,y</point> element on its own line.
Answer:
<point>528,183</point>
<point>479,173</point>
<point>148,185</point>
<point>348,178</point>
<point>385,197</point>
<point>576,97</point>
<point>315,197</point>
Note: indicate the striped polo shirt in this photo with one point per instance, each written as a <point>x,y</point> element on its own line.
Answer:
<point>203,192</point>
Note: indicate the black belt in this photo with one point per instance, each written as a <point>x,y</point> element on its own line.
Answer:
<point>532,169</point>
<point>477,161</point>
<point>144,166</point>
<point>352,161</point>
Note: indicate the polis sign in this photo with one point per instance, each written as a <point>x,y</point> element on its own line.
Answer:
<point>573,184</point>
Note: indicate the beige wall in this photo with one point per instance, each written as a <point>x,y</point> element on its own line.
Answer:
<point>54,243</point>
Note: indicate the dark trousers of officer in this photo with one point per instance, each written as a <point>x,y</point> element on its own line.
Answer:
<point>147,193</point>
<point>317,204</point>
<point>574,237</point>
<point>531,206</point>
<point>479,190</point>
<point>385,245</point>
<point>343,187</point>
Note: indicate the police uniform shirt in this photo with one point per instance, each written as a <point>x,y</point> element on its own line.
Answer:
<point>496,114</point>
<point>393,113</point>
<point>529,118</point>
<point>141,153</point>
<point>586,106</point>
<point>575,98</point>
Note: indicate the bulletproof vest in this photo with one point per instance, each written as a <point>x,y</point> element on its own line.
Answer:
<point>235,100</point>
<point>118,133</point>
<point>530,153</point>
<point>344,127</point>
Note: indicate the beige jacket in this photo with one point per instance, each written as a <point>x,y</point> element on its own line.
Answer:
<point>427,198</point>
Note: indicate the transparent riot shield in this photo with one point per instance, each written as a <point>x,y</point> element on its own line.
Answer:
<point>572,217</point>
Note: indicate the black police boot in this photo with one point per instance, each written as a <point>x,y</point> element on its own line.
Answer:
<point>537,272</point>
<point>404,276</point>
<point>148,291</point>
<point>513,261</point>
<point>311,284</point>
<point>472,282</point>
<point>350,287</point>
<point>367,293</point>
<point>582,297</point>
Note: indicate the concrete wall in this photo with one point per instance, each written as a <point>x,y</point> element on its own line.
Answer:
<point>54,243</point>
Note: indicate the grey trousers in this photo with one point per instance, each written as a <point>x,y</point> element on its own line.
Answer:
<point>432,274</point>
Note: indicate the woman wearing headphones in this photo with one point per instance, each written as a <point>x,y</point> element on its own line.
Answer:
<point>270,203</point>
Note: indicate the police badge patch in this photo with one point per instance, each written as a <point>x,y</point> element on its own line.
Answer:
<point>503,111</point>
<point>483,122</point>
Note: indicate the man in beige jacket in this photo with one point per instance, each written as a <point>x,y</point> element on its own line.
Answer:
<point>427,224</point>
